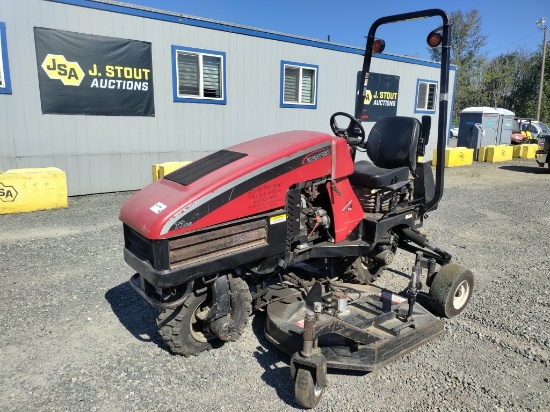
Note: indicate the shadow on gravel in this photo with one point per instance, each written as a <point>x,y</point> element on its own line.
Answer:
<point>534,169</point>
<point>136,316</point>
<point>268,356</point>
<point>398,273</point>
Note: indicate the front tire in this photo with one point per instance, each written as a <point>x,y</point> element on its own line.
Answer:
<point>185,330</point>
<point>451,290</point>
<point>366,270</point>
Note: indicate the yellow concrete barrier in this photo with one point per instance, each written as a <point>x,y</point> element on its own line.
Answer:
<point>162,169</point>
<point>500,153</point>
<point>482,153</point>
<point>528,151</point>
<point>516,151</point>
<point>456,156</point>
<point>28,190</point>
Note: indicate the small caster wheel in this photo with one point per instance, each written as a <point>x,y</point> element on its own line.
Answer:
<point>306,391</point>
<point>451,290</point>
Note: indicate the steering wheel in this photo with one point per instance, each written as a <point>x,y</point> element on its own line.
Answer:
<point>354,133</point>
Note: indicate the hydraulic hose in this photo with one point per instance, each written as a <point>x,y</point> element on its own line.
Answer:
<point>421,241</point>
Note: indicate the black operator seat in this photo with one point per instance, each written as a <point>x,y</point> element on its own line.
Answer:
<point>391,147</point>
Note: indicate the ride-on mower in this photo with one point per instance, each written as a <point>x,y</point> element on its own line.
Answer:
<point>293,225</point>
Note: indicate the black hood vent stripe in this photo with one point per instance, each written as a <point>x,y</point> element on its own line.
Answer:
<point>202,167</point>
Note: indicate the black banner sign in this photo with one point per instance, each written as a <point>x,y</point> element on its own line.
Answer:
<point>380,94</point>
<point>95,75</point>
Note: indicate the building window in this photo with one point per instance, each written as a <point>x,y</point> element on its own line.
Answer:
<point>425,96</point>
<point>199,75</point>
<point>5,83</point>
<point>299,85</point>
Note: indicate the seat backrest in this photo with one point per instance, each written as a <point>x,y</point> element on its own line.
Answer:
<point>393,142</point>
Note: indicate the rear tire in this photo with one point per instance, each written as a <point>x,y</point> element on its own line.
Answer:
<point>451,290</point>
<point>184,330</point>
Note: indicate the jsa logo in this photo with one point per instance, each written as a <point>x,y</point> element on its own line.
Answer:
<point>57,67</point>
<point>7,193</point>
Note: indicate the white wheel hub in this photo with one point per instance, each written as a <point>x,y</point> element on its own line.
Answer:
<point>461,295</point>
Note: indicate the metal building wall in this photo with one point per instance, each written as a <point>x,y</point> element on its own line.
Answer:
<point>111,153</point>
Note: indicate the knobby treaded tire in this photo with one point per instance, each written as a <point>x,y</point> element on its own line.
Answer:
<point>366,273</point>
<point>445,285</point>
<point>183,338</point>
<point>306,393</point>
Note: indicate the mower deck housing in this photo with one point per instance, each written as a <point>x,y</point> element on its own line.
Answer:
<point>371,333</point>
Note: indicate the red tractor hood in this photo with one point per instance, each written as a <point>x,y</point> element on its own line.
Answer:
<point>242,180</point>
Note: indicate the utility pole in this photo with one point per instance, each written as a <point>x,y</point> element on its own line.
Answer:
<point>542,26</point>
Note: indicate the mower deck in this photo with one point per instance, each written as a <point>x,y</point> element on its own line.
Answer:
<point>372,332</point>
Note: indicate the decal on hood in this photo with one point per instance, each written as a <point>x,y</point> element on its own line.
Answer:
<point>158,207</point>
<point>316,155</point>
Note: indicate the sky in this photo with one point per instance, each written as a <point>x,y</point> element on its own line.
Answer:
<point>509,24</point>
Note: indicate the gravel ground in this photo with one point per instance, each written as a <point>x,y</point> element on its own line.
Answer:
<point>75,336</point>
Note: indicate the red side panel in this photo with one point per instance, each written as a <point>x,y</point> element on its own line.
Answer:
<point>341,159</point>
<point>346,208</point>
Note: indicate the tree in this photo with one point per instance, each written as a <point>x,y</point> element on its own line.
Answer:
<point>510,80</point>
<point>467,39</point>
<point>534,82</point>
<point>502,77</point>
<point>522,73</point>
<point>513,80</point>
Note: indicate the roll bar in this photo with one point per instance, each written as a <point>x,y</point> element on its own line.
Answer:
<point>443,86</point>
